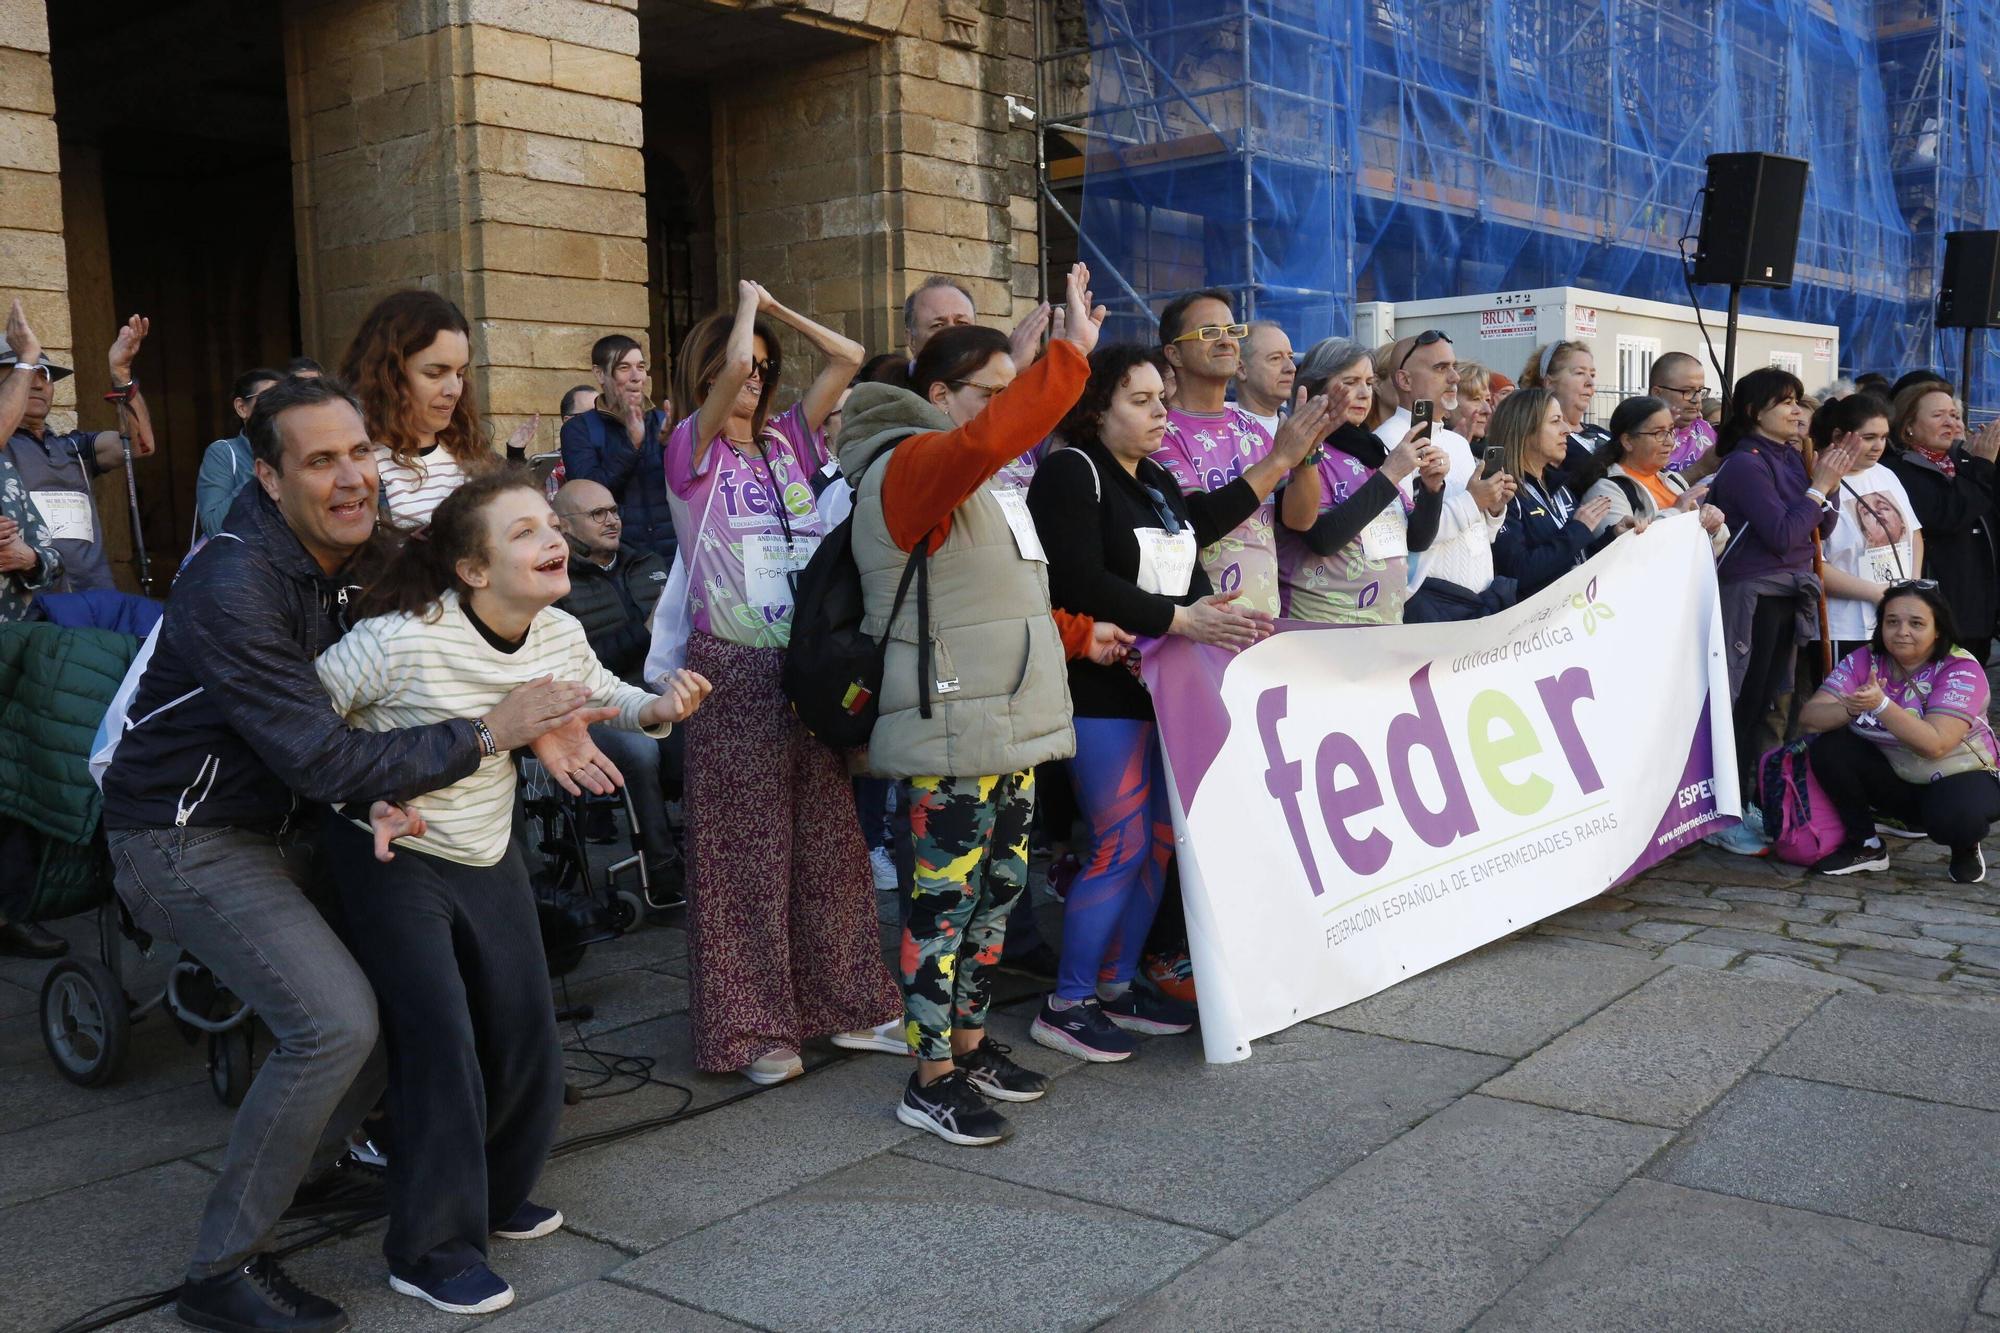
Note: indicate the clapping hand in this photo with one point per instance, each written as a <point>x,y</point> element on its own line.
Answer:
<point>524,434</point>
<point>1081,320</point>
<point>1689,500</point>
<point>1026,339</point>
<point>1866,699</point>
<point>1834,463</point>
<point>1591,512</point>
<point>20,338</point>
<point>1300,433</point>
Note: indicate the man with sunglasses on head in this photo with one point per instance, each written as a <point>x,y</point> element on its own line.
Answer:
<point>613,590</point>
<point>58,467</point>
<point>1210,441</point>
<point>1679,381</point>
<point>1424,368</point>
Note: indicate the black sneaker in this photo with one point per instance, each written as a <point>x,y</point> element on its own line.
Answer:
<point>256,1295</point>
<point>988,1069</point>
<point>1141,1009</point>
<point>1968,866</point>
<point>950,1109</point>
<point>1083,1031</point>
<point>349,1185</point>
<point>1853,858</point>
<point>1897,828</point>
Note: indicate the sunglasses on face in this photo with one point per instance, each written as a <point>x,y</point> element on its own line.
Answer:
<point>764,369</point>
<point>1209,333</point>
<point>1909,585</point>
<point>1169,520</point>
<point>1424,339</point>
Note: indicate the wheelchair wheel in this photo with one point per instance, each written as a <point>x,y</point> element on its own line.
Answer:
<point>627,911</point>
<point>229,1063</point>
<point>86,1021</point>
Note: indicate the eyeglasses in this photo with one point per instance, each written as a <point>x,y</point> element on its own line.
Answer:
<point>1169,519</point>
<point>1424,339</point>
<point>1686,393</point>
<point>602,515</point>
<point>986,391</point>
<point>1654,435</point>
<point>1209,333</point>
<point>1909,585</point>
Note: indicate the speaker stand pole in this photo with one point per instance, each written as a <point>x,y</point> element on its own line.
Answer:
<point>1729,348</point>
<point>1965,372</point>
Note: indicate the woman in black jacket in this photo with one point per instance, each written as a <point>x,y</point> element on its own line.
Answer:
<point>1122,540</point>
<point>1951,486</point>
<point>1547,533</point>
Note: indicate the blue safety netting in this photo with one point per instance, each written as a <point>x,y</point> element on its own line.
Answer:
<point>1308,153</point>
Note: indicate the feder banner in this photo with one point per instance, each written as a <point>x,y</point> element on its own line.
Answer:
<point>1354,806</point>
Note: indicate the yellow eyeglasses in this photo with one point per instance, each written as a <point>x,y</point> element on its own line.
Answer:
<point>1209,333</point>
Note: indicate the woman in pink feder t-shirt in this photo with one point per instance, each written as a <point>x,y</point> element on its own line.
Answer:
<point>781,915</point>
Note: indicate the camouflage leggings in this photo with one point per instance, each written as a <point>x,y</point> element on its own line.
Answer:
<point>970,836</point>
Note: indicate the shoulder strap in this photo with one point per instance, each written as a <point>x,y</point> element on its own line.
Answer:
<point>1096,482</point>
<point>1631,489</point>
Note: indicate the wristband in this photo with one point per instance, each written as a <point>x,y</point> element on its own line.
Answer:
<point>123,393</point>
<point>1880,708</point>
<point>487,748</point>
<point>1814,493</point>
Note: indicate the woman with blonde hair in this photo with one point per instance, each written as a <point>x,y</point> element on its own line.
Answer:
<point>1568,370</point>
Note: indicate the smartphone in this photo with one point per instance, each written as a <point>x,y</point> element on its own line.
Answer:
<point>1423,412</point>
<point>1495,460</point>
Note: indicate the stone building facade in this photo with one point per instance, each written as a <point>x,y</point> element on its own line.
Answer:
<point>560,168</point>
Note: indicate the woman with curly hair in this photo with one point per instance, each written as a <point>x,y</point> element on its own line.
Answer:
<point>408,365</point>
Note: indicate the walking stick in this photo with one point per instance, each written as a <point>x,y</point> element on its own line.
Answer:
<point>1825,625</point>
<point>145,567</point>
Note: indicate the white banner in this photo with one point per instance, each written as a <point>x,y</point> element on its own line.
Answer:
<point>1355,806</point>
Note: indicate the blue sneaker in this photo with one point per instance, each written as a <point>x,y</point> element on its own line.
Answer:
<point>1083,1031</point>
<point>530,1221</point>
<point>1149,1012</point>
<point>477,1290</point>
<point>1740,839</point>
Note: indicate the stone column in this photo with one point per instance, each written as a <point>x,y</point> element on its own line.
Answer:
<point>487,149</point>
<point>33,265</point>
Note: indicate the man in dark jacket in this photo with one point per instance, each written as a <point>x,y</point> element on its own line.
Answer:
<point>228,740</point>
<point>612,591</point>
<point>621,445</point>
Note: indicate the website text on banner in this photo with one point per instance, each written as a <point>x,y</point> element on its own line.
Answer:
<point>1355,806</point>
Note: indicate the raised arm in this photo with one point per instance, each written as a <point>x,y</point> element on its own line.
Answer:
<point>738,354</point>
<point>840,358</point>
<point>132,412</point>
<point>27,351</point>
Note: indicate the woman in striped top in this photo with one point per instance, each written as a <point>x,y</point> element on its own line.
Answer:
<point>446,928</point>
<point>408,364</point>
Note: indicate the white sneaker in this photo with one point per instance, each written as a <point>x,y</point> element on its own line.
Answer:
<point>884,866</point>
<point>886,1038</point>
<point>774,1066</point>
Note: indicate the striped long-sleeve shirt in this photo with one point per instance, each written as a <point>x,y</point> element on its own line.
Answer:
<point>402,671</point>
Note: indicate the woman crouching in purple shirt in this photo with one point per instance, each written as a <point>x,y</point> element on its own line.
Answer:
<point>1775,499</point>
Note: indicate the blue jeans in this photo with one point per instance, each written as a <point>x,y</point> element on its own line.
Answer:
<point>639,758</point>
<point>237,901</point>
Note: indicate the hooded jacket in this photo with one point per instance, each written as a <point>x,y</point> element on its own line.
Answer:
<point>230,726</point>
<point>1000,695</point>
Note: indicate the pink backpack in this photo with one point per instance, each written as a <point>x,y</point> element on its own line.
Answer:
<point>1798,818</point>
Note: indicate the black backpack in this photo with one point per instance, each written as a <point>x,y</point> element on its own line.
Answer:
<point>833,672</point>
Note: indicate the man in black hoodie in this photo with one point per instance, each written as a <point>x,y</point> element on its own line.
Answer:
<point>228,744</point>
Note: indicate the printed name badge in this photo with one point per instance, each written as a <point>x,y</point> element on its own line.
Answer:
<point>1387,536</point>
<point>1014,506</point>
<point>66,514</point>
<point>1886,563</point>
<point>1166,561</point>
<point>768,562</point>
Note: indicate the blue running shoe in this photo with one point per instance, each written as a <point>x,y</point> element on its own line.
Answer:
<point>477,1290</point>
<point>1149,1012</point>
<point>1083,1031</point>
<point>530,1221</point>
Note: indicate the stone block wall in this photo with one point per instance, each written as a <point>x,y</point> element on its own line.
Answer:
<point>33,264</point>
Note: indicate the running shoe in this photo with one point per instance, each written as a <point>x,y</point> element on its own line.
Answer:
<point>477,1290</point>
<point>952,1110</point>
<point>989,1070</point>
<point>883,864</point>
<point>1853,859</point>
<point>1172,974</point>
<point>1896,828</point>
<point>530,1221</point>
<point>1083,1031</point>
<point>1141,1010</point>
<point>774,1066</point>
<point>1969,866</point>
<point>1740,839</point>
<point>884,1037</point>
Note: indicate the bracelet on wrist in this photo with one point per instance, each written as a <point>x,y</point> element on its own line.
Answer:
<point>1879,709</point>
<point>487,747</point>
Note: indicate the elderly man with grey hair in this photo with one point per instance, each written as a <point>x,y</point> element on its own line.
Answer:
<point>940,302</point>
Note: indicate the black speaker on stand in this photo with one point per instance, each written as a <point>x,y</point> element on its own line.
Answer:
<point>1750,214</point>
<point>1969,293</point>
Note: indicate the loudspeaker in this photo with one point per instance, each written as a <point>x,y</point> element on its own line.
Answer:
<point>1750,220</point>
<point>1969,287</point>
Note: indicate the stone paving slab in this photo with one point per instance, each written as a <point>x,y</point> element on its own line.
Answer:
<point>1507,999</point>
<point>111,1141</point>
<point>1894,1161</point>
<point>64,1254</point>
<point>1041,1261</point>
<point>606,1307</point>
<point>33,1093</point>
<point>1947,1053</point>
<point>1664,1052</point>
<point>1658,1256</point>
<point>1423,1234</point>
<point>1221,1147</point>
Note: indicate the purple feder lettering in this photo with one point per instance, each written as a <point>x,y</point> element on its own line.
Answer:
<point>1285,778</point>
<point>1423,729</point>
<point>1559,696</point>
<point>1338,804</point>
